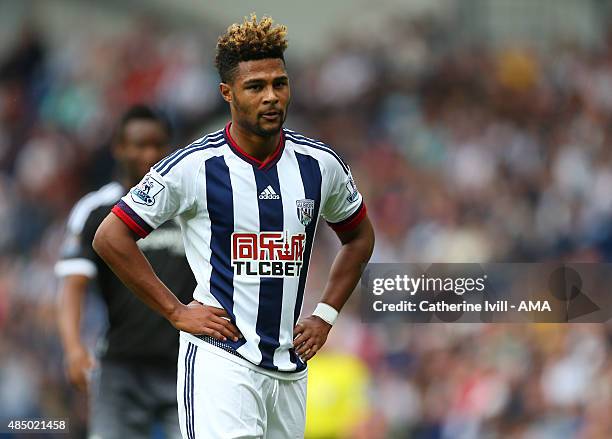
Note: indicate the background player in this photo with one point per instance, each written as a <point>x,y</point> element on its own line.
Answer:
<point>135,383</point>
<point>249,197</point>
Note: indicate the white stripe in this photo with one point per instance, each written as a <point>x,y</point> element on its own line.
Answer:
<point>77,266</point>
<point>80,212</point>
<point>292,189</point>
<point>246,219</point>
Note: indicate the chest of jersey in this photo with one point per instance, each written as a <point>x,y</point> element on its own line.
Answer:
<point>261,220</point>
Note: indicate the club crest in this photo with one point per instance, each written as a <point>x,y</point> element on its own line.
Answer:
<point>305,210</point>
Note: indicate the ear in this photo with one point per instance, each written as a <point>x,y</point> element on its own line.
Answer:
<point>226,92</point>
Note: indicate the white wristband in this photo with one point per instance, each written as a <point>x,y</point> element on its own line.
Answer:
<point>326,312</point>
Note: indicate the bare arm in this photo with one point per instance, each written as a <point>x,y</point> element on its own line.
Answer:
<point>116,245</point>
<point>357,245</point>
<point>78,360</point>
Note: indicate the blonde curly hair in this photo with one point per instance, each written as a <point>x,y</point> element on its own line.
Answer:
<point>250,40</point>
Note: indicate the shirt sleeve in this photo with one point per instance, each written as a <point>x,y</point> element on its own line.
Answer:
<point>343,208</point>
<point>77,254</point>
<point>155,200</point>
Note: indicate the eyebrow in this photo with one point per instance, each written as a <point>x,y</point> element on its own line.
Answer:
<point>259,80</point>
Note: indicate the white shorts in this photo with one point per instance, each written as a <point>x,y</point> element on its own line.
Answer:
<point>222,399</point>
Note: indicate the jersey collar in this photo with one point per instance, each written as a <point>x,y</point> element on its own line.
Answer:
<point>266,164</point>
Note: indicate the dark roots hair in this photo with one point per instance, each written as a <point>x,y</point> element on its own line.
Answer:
<point>251,40</point>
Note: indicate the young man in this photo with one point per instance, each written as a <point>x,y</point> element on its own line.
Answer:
<point>248,198</point>
<point>135,383</point>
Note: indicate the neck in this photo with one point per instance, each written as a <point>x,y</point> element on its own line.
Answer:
<point>259,147</point>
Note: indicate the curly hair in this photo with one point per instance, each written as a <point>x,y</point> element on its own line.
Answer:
<point>251,40</point>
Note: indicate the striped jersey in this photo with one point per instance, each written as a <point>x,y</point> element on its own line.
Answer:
<point>248,228</point>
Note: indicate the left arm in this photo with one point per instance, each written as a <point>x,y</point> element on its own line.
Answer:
<point>357,245</point>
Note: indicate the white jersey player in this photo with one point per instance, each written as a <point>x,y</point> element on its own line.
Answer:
<point>248,198</point>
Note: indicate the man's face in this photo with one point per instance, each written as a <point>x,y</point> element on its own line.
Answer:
<point>144,143</point>
<point>259,96</point>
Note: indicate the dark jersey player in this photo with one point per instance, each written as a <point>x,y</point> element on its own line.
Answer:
<point>134,385</point>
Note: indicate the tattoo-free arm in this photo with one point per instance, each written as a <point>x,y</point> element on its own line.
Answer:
<point>78,360</point>
<point>357,245</point>
<point>116,245</point>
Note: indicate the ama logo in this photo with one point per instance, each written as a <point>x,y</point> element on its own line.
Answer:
<point>146,191</point>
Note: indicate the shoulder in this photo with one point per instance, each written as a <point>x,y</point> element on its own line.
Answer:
<point>321,151</point>
<point>92,202</point>
<point>192,154</point>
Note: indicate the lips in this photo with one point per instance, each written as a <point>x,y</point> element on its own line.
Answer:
<point>271,115</point>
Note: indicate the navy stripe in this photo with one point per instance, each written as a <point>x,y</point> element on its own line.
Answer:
<point>185,394</point>
<point>209,137</point>
<point>311,179</point>
<point>320,147</point>
<point>192,373</point>
<point>137,219</point>
<point>270,289</point>
<point>220,206</point>
<point>188,152</point>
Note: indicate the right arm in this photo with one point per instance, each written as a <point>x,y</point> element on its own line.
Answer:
<point>116,245</point>
<point>78,360</point>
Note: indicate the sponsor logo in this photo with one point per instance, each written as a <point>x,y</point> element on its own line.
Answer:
<point>305,210</point>
<point>351,187</point>
<point>146,191</point>
<point>269,194</point>
<point>267,254</point>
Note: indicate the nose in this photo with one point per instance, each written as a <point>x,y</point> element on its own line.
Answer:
<point>270,96</point>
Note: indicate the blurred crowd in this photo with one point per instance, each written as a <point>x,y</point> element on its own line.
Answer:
<point>464,153</point>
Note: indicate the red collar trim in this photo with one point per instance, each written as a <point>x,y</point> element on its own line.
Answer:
<point>267,163</point>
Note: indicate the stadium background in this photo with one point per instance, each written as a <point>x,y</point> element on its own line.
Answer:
<point>477,130</point>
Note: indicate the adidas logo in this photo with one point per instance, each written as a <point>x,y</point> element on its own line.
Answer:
<point>268,194</point>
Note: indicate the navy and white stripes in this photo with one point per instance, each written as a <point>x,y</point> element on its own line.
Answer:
<point>212,140</point>
<point>190,357</point>
<point>249,228</point>
<point>306,141</point>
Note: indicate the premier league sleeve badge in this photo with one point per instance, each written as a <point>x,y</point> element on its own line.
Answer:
<point>146,191</point>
